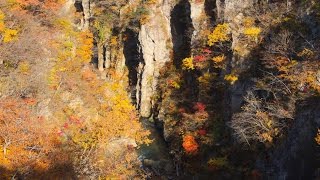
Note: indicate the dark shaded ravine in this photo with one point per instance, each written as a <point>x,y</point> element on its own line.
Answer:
<point>298,157</point>
<point>155,156</point>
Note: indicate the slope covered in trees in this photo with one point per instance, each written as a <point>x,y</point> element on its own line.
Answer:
<point>57,117</point>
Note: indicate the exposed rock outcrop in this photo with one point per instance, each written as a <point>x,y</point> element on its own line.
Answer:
<point>156,45</point>
<point>295,157</point>
<point>198,17</point>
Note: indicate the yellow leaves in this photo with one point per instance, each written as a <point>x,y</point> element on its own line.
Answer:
<point>24,67</point>
<point>2,25</point>
<point>64,24</point>
<point>218,163</point>
<point>218,59</point>
<point>72,52</point>
<point>285,68</point>
<point>205,79</point>
<point>265,118</point>
<point>103,31</point>
<point>10,35</point>
<point>53,78</point>
<point>317,138</point>
<point>269,124</point>
<point>2,16</point>
<point>219,34</point>
<point>113,41</point>
<point>248,22</point>
<point>175,85</point>
<point>152,1</point>
<point>252,32</point>
<point>187,64</point>
<point>267,137</point>
<point>231,78</point>
<point>269,130</point>
<point>85,139</point>
<point>84,49</point>
<point>306,53</point>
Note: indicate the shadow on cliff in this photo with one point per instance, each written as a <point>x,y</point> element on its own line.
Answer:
<point>64,171</point>
<point>295,156</point>
<point>298,156</point>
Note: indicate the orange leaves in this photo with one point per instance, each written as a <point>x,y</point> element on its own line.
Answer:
<point>189,144</point>
<point>30,101</point>
<point>88,75</point>
<point>84,50</point>
<point>23,138</point>
<point>317,138</point>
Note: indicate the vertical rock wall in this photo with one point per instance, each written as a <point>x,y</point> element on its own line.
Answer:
<point>86,14</point>
<point>198,17</point>
<point>156,45</point>
<point>155,39</point>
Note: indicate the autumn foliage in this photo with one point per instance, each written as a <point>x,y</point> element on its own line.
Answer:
<point>189,144</point>
<point>27,142</point>
<point>56,114</point>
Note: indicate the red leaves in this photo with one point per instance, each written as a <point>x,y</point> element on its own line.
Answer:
<point>199,1</point>
<point>75,119</point>
<point>60,133</point>
<point>207,51</point>
<point>199,58</point>
<point>66,125</point>
<point>202,132</point>
<point>199,107</point>
<point>182,110</point>
<point>170,81</point>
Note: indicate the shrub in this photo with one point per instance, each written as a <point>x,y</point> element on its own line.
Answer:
<point>218,59</point>
<point>219,34</point>
<point>187,64</point>
<point>24,67</point>
<point>259,120</point>
<point>189,144</point>
<point>10,35</point>
<point>231,78</point>
<point>199,107</point>
<point>252,32</point>
<point>218,163</point>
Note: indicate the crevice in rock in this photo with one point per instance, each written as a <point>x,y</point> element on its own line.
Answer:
<point>133,58</point>
<point>181,29</point>
<point>78,6</point>
<point>94,59</point>
<point>211,10</point>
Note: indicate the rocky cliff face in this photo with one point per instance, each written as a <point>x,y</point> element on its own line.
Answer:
<point>156,45</point>
<point>295,157</point>
<point>174,30</point>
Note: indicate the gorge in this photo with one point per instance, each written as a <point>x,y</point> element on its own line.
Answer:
<point>160,89</point>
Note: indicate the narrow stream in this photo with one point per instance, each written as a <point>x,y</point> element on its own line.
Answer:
<point>155,156</point>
